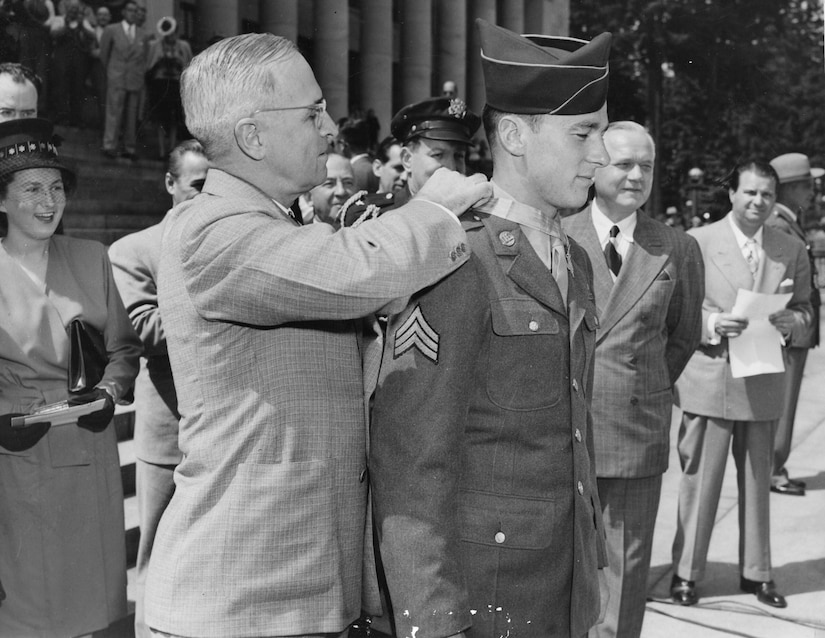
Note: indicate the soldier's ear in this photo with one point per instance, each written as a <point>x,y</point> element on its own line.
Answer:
<point>406,158</point>
<point>248,138</point>
<point>510,130</point>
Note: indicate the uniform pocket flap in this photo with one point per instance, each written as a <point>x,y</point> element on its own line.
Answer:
<point>513,317</point>
<point>508,521</point>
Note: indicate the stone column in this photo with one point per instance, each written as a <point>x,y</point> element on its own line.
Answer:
<point>331,54</point>
<point>512,17</point>
<point>280,18</point>
<point>451,47</point>
<point>376,60</point>
<point>216,17</point>
<point>416,51</point>
<point>557,17</point>
<point>485,9</point>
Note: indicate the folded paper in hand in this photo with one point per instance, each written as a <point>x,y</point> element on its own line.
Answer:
<point>58,413</point>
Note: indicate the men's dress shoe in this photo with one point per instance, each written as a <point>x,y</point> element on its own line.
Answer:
<point>797,482</point>
<point>790,488</point>
<point>765,592</point>
<point>683,592</point>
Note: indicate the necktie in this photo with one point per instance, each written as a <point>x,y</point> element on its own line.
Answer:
<point>559,263</point>
<point>611,255</point>
<point>752,255</point>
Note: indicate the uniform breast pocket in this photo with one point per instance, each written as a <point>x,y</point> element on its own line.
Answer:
<point>527,355</point>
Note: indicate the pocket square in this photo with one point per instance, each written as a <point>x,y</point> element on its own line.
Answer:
<point>663,276</point>
<point>786,286</point>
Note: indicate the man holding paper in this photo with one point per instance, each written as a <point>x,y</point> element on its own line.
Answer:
<point>741,255</point>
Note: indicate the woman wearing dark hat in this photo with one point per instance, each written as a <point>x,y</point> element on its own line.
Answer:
<point>62,550</point>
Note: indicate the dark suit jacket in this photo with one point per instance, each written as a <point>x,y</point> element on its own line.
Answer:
<point>482,450</point>
<point>124,61</point>
<point>650,324</point>
<point>706,386</point>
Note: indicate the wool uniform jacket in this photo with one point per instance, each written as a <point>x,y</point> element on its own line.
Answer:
<point>124,61</point>
<point>265,534</point>
<point>481,451</point>
<point>649,326</point>
<point>706,386</point>
<point>782,219</point>
<point>135,259</point>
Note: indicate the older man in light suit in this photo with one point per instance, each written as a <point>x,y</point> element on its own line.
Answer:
<point>740,253</point>
<point>266,532</point>
<point>123,55</point>
<point>649,283</point>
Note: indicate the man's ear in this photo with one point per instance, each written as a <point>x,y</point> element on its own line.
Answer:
<point>248,138</point>
<point>510,131</point>
<point>170,183</point>
<point>376,167</point>
<point>406,158</point>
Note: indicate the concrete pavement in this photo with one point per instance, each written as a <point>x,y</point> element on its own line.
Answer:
<point>797,543</point>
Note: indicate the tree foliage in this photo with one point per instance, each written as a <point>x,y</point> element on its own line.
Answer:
<point>716,81</point>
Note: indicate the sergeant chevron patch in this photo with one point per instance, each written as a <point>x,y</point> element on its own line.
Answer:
<point>415,332</point>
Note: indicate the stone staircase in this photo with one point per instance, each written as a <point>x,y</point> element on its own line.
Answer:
<point>114,197</point>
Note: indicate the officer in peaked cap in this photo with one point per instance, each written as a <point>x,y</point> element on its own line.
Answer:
<point>435,132</point>
<point>794,199</point>
<point>481,454</point>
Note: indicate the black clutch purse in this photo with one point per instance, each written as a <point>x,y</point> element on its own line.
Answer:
<point>87,357</point>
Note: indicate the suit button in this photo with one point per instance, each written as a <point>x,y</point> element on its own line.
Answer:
<point>533,325</point>
<point>578,435</point>
<point>634,400</point>
<point>363,476</point>
<point>580,487</point>
<point>500,537</point>
<point>453,255</point>
<point>575,385</point>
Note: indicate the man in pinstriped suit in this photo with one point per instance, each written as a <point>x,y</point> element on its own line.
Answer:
<point>266,532</point>
<point>650,324</point>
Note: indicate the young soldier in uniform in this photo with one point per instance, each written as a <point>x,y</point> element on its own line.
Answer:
<point>486,507</point>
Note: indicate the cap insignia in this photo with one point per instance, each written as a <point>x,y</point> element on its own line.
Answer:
<point>458,108</point>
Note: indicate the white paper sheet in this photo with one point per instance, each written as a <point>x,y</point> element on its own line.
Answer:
<point>758,350</point>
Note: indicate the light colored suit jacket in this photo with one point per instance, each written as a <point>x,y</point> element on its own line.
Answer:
<point>650,324</point>
<point>706,386</point>
<point>124,61</point>
<point>265,534</point>
<point>135,259</point>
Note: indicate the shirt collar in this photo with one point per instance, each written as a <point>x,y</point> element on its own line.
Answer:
<point>741,238</point>
<point>603,224</point>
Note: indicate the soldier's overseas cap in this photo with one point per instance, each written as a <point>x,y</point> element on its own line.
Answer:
<point>793,167</point>
<point>534,74</point>
<point>438,118</point>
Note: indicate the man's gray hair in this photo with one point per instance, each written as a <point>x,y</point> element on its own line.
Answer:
<point>630,125</point>
<point>227,82</point>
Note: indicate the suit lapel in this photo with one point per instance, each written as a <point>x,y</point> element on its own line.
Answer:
<point>581,228</point>
<point>724,252</point>
<point>772,268</point>
<point>521,264</point>
<point>644,262</point>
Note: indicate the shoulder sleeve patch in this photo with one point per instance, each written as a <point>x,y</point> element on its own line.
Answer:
<point>416,333</point>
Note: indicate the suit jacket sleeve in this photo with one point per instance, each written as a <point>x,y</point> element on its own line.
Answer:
<point>250,267</point>
<point>420,414</point>
<point>684,316</point>
<point>135,276</point>
<point>106,44</point>
<point>800,302</point>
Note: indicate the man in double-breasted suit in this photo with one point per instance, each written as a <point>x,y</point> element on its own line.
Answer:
<point>481,455</point>
<point>740,252</point>
<point>266,531</point>
<point>123,55</point>
<point>794,198</point>
<point>649,284</point>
